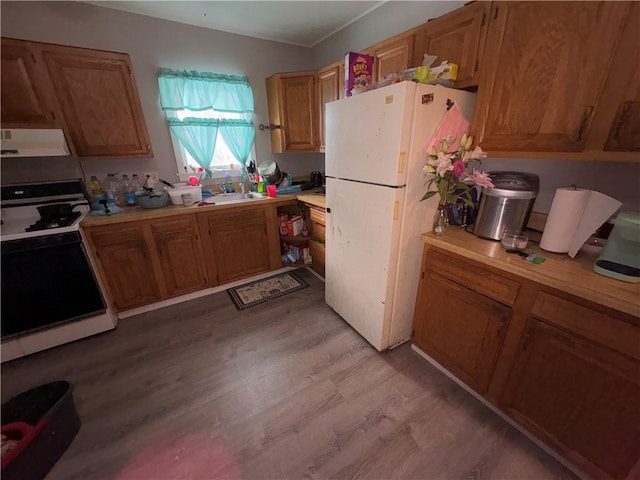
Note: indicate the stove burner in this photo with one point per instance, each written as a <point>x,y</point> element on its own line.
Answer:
<point>48,223</point>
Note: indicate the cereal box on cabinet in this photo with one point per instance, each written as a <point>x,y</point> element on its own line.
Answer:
<point>358,73</point>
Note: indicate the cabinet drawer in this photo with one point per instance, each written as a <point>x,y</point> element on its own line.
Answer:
<point>474,276</point>
<point>594,325</point>
<point>318,232</point>
<point>317,256</point>
<point>317,216</point>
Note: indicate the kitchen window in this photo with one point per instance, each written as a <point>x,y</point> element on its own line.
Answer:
<point>210,116</point>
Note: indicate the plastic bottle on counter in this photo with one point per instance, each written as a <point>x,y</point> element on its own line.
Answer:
<point>97,193</point>
<point>137,184</point>
<point>128,191</point>
<point>113,189</point>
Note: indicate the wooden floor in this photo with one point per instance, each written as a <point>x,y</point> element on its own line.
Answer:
<point>284,389</point>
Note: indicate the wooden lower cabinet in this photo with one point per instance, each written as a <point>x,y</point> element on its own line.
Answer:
<point>238,244</point>
<point>124,261</point>
<point>149,261</point>
<point>179,254</point>
<point>460,328</point>
<point>318,222</point>
<point>579,396</point>
<point>564,368</point>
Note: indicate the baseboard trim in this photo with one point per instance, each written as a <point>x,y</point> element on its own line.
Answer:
<point>202,293</point>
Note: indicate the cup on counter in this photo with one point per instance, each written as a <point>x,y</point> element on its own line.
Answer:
<point>271,190</point>
<point>514,240</point>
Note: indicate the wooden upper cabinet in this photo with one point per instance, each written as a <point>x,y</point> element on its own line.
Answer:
<point>619,109</point>
<point>292,101</point>
<point>579,397</point>
<point>26,92</point>
<point>543,74</point>
<point>457,37</point>
<point>330,88</point>
<point>392,56</point>
<point>99,100</point>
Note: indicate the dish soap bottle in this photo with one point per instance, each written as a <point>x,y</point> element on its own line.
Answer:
<point>97,193</point>
<point>228,184</point>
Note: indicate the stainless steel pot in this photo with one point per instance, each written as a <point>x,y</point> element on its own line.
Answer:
<point>508,205</point>
<point>270,171</point>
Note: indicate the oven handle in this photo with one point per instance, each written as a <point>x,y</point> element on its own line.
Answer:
<point>40,243</point>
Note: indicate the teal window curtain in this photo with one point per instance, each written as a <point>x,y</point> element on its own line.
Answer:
<point>239,136</point>
<point>198,136</point>
<point>201,91</point>
<point>182,90</point>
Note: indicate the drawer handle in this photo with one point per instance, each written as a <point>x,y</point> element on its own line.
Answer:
<point>623,116</point>
<point>586,117</point>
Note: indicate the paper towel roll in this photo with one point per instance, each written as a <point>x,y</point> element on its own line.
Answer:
<point>574,216</point>
<point>566,211</point>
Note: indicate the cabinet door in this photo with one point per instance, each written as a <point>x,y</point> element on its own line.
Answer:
<point>457,37</point>
<point>459,328</point>
<point>331,87</point>
<point>292,100</point>
<point>123,258</point>
<point>99,101</point>
<point>180,254</point>
<point>240,242</point>
<point>544,72</point>
<point>622,91</point>
<point>392,56</point>
<point>26,100</point>
<point>578,396</point>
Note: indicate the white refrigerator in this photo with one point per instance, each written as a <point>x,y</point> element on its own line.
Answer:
<point>375,150</point>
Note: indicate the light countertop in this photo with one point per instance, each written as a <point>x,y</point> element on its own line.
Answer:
<point>135,214</point>
<point>574,276</point>
<point>312,199</point>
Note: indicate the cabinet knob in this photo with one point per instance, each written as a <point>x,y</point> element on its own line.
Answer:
<point>328,210</point>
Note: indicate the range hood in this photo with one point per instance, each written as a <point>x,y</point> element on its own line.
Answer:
<point>33,142</point>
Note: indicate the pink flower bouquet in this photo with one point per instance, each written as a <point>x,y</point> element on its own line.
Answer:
<point>455,173</point>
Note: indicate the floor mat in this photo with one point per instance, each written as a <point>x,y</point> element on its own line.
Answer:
<point>254,293</point>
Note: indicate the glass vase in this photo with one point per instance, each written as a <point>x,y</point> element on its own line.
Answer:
<point>440,220</point>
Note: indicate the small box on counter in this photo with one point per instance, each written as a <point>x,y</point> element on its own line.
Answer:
<point>294,226</point>
<point>358,73</point>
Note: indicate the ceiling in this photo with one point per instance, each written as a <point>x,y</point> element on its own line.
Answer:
<point>303,23</point>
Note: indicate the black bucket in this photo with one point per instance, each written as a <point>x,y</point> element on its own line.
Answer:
<point>41,423</point>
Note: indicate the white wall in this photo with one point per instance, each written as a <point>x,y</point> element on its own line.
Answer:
<point>154,43</point>
<point>618,180</point>
<point>384,22</point>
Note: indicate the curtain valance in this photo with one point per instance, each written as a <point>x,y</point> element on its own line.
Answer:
<point>196,91</point>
